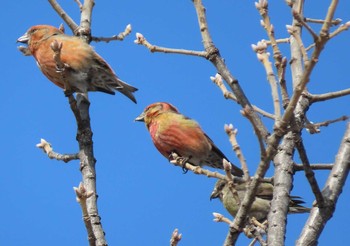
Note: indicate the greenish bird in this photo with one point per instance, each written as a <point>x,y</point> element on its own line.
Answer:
<point>261,205</point>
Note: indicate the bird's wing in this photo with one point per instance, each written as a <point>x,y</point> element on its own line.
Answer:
<point>235,170</point>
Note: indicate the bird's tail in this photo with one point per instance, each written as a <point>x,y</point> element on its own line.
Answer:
<point>126,89</point>
<point>295,207</point>
<point>236,171</point>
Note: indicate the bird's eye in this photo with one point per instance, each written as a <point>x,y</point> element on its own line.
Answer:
<point>33,30</point>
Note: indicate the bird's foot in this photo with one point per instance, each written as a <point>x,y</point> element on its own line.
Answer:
<point>179,160</point>
<point>68,92</point>
<point>255,222</point>
<point>182,162</point>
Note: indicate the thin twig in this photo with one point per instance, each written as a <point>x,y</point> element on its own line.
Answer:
<point>262,7</point>
<point>80,5</point>
<point>310,47</point>
<point>175,237</point>
<point>326,96</point>
<point>332,189</point>
<point>328,21</point>
<point>178,161</point>
<point>215,58</point>
<point>340,29</point>
<point>300,167</point>
<point>313,128</point>
<point>278,41</point>
<point>318,21</point>
<point>231,184</point>
<point>245,113</point>
<point>296,34</point>
<point>232,133</point>
<point>81,196</point>
<point>297,16</point>
<point>229,95</point>
<point>257,235</point>
<point>70,22</point>
<point>327,122</point>
<point>283,84</point>
<point>263,57</point>
<point>118,37</point>
<point>47,148</point>
<point>310,175</point>
<point>220,218</point>
<point>141,40</point>
<point>280,62</point>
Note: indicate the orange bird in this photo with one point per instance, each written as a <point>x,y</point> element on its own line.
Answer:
<point>173,132</point>
<point>85,70</point>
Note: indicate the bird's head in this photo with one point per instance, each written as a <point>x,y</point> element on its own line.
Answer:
<point>38,33</point>
<point>155,109</point>
<point>218,188</point>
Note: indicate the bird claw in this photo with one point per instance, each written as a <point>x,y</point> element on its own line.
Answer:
<point>255,222</point>
<point>184,170</point>
<point>68,93</point>
<point>180,160</point>
<point>61,69</point>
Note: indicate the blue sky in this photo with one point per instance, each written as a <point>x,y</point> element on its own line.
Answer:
<point>142,197</point>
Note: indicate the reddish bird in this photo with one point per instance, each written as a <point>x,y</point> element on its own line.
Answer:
<point>85,70</point>
<point>173,132</point>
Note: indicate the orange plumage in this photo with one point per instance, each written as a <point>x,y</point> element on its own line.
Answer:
<point>85,69</point>
<point>173,132</point>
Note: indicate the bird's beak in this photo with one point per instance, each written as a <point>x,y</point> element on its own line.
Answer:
<point>141,117</point>
<point>215,194</point>
<point>23,39</point>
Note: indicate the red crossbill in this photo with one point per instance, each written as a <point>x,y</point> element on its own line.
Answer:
<point>172,132</point>
<point>261,205</point>
<point>85,70</point>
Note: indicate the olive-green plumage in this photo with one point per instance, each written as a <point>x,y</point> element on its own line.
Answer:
<point>173,132</point>
<point>261,205</point>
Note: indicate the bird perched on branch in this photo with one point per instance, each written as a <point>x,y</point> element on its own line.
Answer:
<point>84,69</point>
<point>231,199</point>
<point>172,132</point>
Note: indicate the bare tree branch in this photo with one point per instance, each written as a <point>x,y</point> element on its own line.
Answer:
<point>175,238</point>
<point>46,147</point>
<point>299,18</point>
<point>319,216</point>
<point>263,57</point>
<point>80,5</point>
<point>229,95</point>
<point>141,40</point>
<point>300,167</point>
<point>215,58</point>
<point>283,179</point>
<point>84,29</point>
<point>232,133</point>
<point>82,195</point>
<point>318,21</point>
<point>313,128</point>
<point>310,175</point>
<point>69,21</point>
<point>118,37</point>
<point>326,96</point>
<point>80,108</point>
<point>283,174</point>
